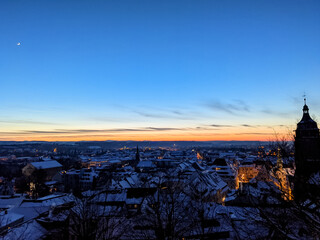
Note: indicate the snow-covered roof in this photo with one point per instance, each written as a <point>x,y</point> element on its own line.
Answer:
<point>134,200</point>
<point>207,180</point>
<point>146,164</point>
<point>10,202</point>
<point>124,184</point>
<point>46,164</point>
<point>31,209</point>
<point>9,218</point>
<point>29,230</point>
<point>129,182</point>
<point>314,179</point>
<point>110,197</point>
<point>50,183</point>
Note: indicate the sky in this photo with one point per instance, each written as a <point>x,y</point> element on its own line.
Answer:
<point>157,70</point>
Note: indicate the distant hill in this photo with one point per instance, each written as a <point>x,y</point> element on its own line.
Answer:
<point>131,144</point>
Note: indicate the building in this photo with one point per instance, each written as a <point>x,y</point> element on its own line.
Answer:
<point>87,179</point>
<point>70,180</point>
<point>146,166</point>
<point>224,171</point>
<point>246,171</point>
<point>51,168</point>
<point>307,156</point>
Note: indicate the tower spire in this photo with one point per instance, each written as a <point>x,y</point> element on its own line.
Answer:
<point>137,154</point>
<point>305,106</point>
<point>305,98</point>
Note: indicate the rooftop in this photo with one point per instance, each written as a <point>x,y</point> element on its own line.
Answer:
<point>46,164</point>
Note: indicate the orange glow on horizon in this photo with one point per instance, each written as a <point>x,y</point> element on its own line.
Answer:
<point>183,134</point>
<point>155,137</point>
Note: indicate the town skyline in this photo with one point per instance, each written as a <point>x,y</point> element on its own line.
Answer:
<point>157,71</point>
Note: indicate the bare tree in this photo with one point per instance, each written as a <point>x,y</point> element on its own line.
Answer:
<point>282,217</point>
<point>90,220</point>
<point>166,214</point>
<point>283,143</point>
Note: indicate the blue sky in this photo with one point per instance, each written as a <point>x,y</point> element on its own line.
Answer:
<point>200,69</point>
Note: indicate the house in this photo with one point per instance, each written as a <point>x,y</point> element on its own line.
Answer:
<point>51,168</point>
<point>146,166</point>
<point>224,171</point>
<point>87,178</point>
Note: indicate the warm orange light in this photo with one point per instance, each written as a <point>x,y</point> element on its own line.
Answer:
<point>185,134</point>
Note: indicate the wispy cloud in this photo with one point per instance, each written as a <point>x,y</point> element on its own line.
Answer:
<point>164,129</point>
<point>177,112</point>
<point>171,114</point>
<point>229,126</point>
<point>79,131</point>
<point>243,105</point>
<point>42,132</point>
<point>277,113</point>
<point>254,133</point>
<point>249,126</point>
<point>150,115</point>
<point>220,125</point>
<point>235,108</point>
<point>147,111</point>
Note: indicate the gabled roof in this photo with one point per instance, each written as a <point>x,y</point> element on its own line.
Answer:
<point>146,164</point>
<point>46,164</point>
<point>207,180</point>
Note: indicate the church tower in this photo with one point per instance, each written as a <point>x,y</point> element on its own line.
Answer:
<point>307,154</point>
